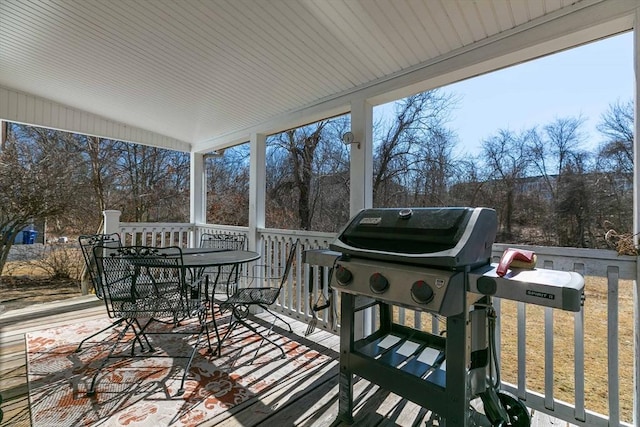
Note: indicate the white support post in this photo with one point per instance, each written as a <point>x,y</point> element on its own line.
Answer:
<point>257,189</point>
<point>198,194</point>
<point>111,221</point>
<point>3,132</point>
<point>361,167</point>
<point>636,222</point>
<point>361,191</point>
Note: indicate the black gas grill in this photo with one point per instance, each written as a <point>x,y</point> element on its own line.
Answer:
<point>436,260</point>
<point>452,238</point>
<point>415,258</point>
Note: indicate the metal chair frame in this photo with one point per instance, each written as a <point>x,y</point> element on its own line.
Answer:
<point>87,243</point>
<point>258,296</point>
<point>147,282</point>
<point>235,242</point>
<point>226,275</point>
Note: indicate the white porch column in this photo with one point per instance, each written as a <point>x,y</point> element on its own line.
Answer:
<point>636,222</point>
<point>197,194</point>
<point>257,189</point>
<point>361,190</point>
<point>111,221</point>
<point>361,167</point>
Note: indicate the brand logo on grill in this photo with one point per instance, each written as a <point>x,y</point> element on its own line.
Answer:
<point>539,294</point>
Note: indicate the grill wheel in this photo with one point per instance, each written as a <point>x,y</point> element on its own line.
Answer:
<point>517,411</point>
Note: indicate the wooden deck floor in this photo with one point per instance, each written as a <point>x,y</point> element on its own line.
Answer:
<point>310,401</point>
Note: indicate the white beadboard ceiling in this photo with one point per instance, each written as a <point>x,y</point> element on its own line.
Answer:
<point>196,70</point>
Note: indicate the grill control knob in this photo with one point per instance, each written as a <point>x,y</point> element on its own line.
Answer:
<point>421,292</point>
<point>343,276</point>
<point>378,283</point>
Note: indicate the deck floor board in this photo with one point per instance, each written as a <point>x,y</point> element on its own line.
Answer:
<point>306,400</point>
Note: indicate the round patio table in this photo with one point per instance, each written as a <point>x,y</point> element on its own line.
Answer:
<point>207,257</point>
<point>199,259</point>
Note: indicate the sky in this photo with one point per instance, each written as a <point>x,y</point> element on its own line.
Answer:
<point>581,81</point>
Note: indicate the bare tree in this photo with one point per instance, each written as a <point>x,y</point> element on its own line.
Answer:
<point>98,192</point>
<point>300,145</point>
<point>228,187</point>
<point>557,148</point>
<point>616,153</point>
<point>614,168</point>
<point>306,177</point>
<point>508,160</point>
<point>414,152</point>
<point>157,183</point>
<point>572,209</point>
<point>469,186</point>
<point>561,162</point>
<point>38,170</point>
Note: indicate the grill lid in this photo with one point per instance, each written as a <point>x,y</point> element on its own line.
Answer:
<point>440,237</point>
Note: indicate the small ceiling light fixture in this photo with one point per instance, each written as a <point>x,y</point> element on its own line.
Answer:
<point>214,154</point>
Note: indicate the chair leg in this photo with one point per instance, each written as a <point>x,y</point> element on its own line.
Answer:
<point>193,353</point>
<point>264,337</point>
<point>91,392</point>
<point>142,328</point>
<point>230,328</point>
<point>203,321</point>
<point>215,325</point>
<point>112,325</point>
<point>277,317</point>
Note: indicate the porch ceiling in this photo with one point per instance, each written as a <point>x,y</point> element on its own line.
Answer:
<point>202,72</point>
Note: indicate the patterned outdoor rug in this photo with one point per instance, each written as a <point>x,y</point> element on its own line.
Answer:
<point>142,391</point>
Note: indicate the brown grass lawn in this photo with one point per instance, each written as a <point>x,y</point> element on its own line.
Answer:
<point>27,284</point>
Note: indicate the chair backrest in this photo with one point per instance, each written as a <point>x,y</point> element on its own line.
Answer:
<point>289,264</point>
<point>271,274</point>
<point>87,243</point>
<point>224,274</point>
<point>143,281</point>
<point>235,242</point>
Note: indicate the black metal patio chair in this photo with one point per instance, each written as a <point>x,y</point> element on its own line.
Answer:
<point>148,283</point>
<point>226,277</point>
<point>265,285</point>
<point>87,243</point>
<point>234,242</point>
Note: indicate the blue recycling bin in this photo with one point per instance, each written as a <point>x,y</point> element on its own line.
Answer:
<point>29,237</point>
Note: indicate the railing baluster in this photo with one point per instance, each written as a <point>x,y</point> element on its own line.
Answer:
<point>522,350</point>
<point>548,358</point>
<point>612,343</point>
<point>298,274</point>
<point>578,354</point>
<point>548,351</point>
<point>578,371</point>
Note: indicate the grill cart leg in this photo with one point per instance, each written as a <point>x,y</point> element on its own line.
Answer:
<point>345,380</point>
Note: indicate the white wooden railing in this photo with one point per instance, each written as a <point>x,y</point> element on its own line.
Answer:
<point>527,349</point>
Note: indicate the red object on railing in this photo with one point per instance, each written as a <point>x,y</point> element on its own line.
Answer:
<point>527,260</point>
